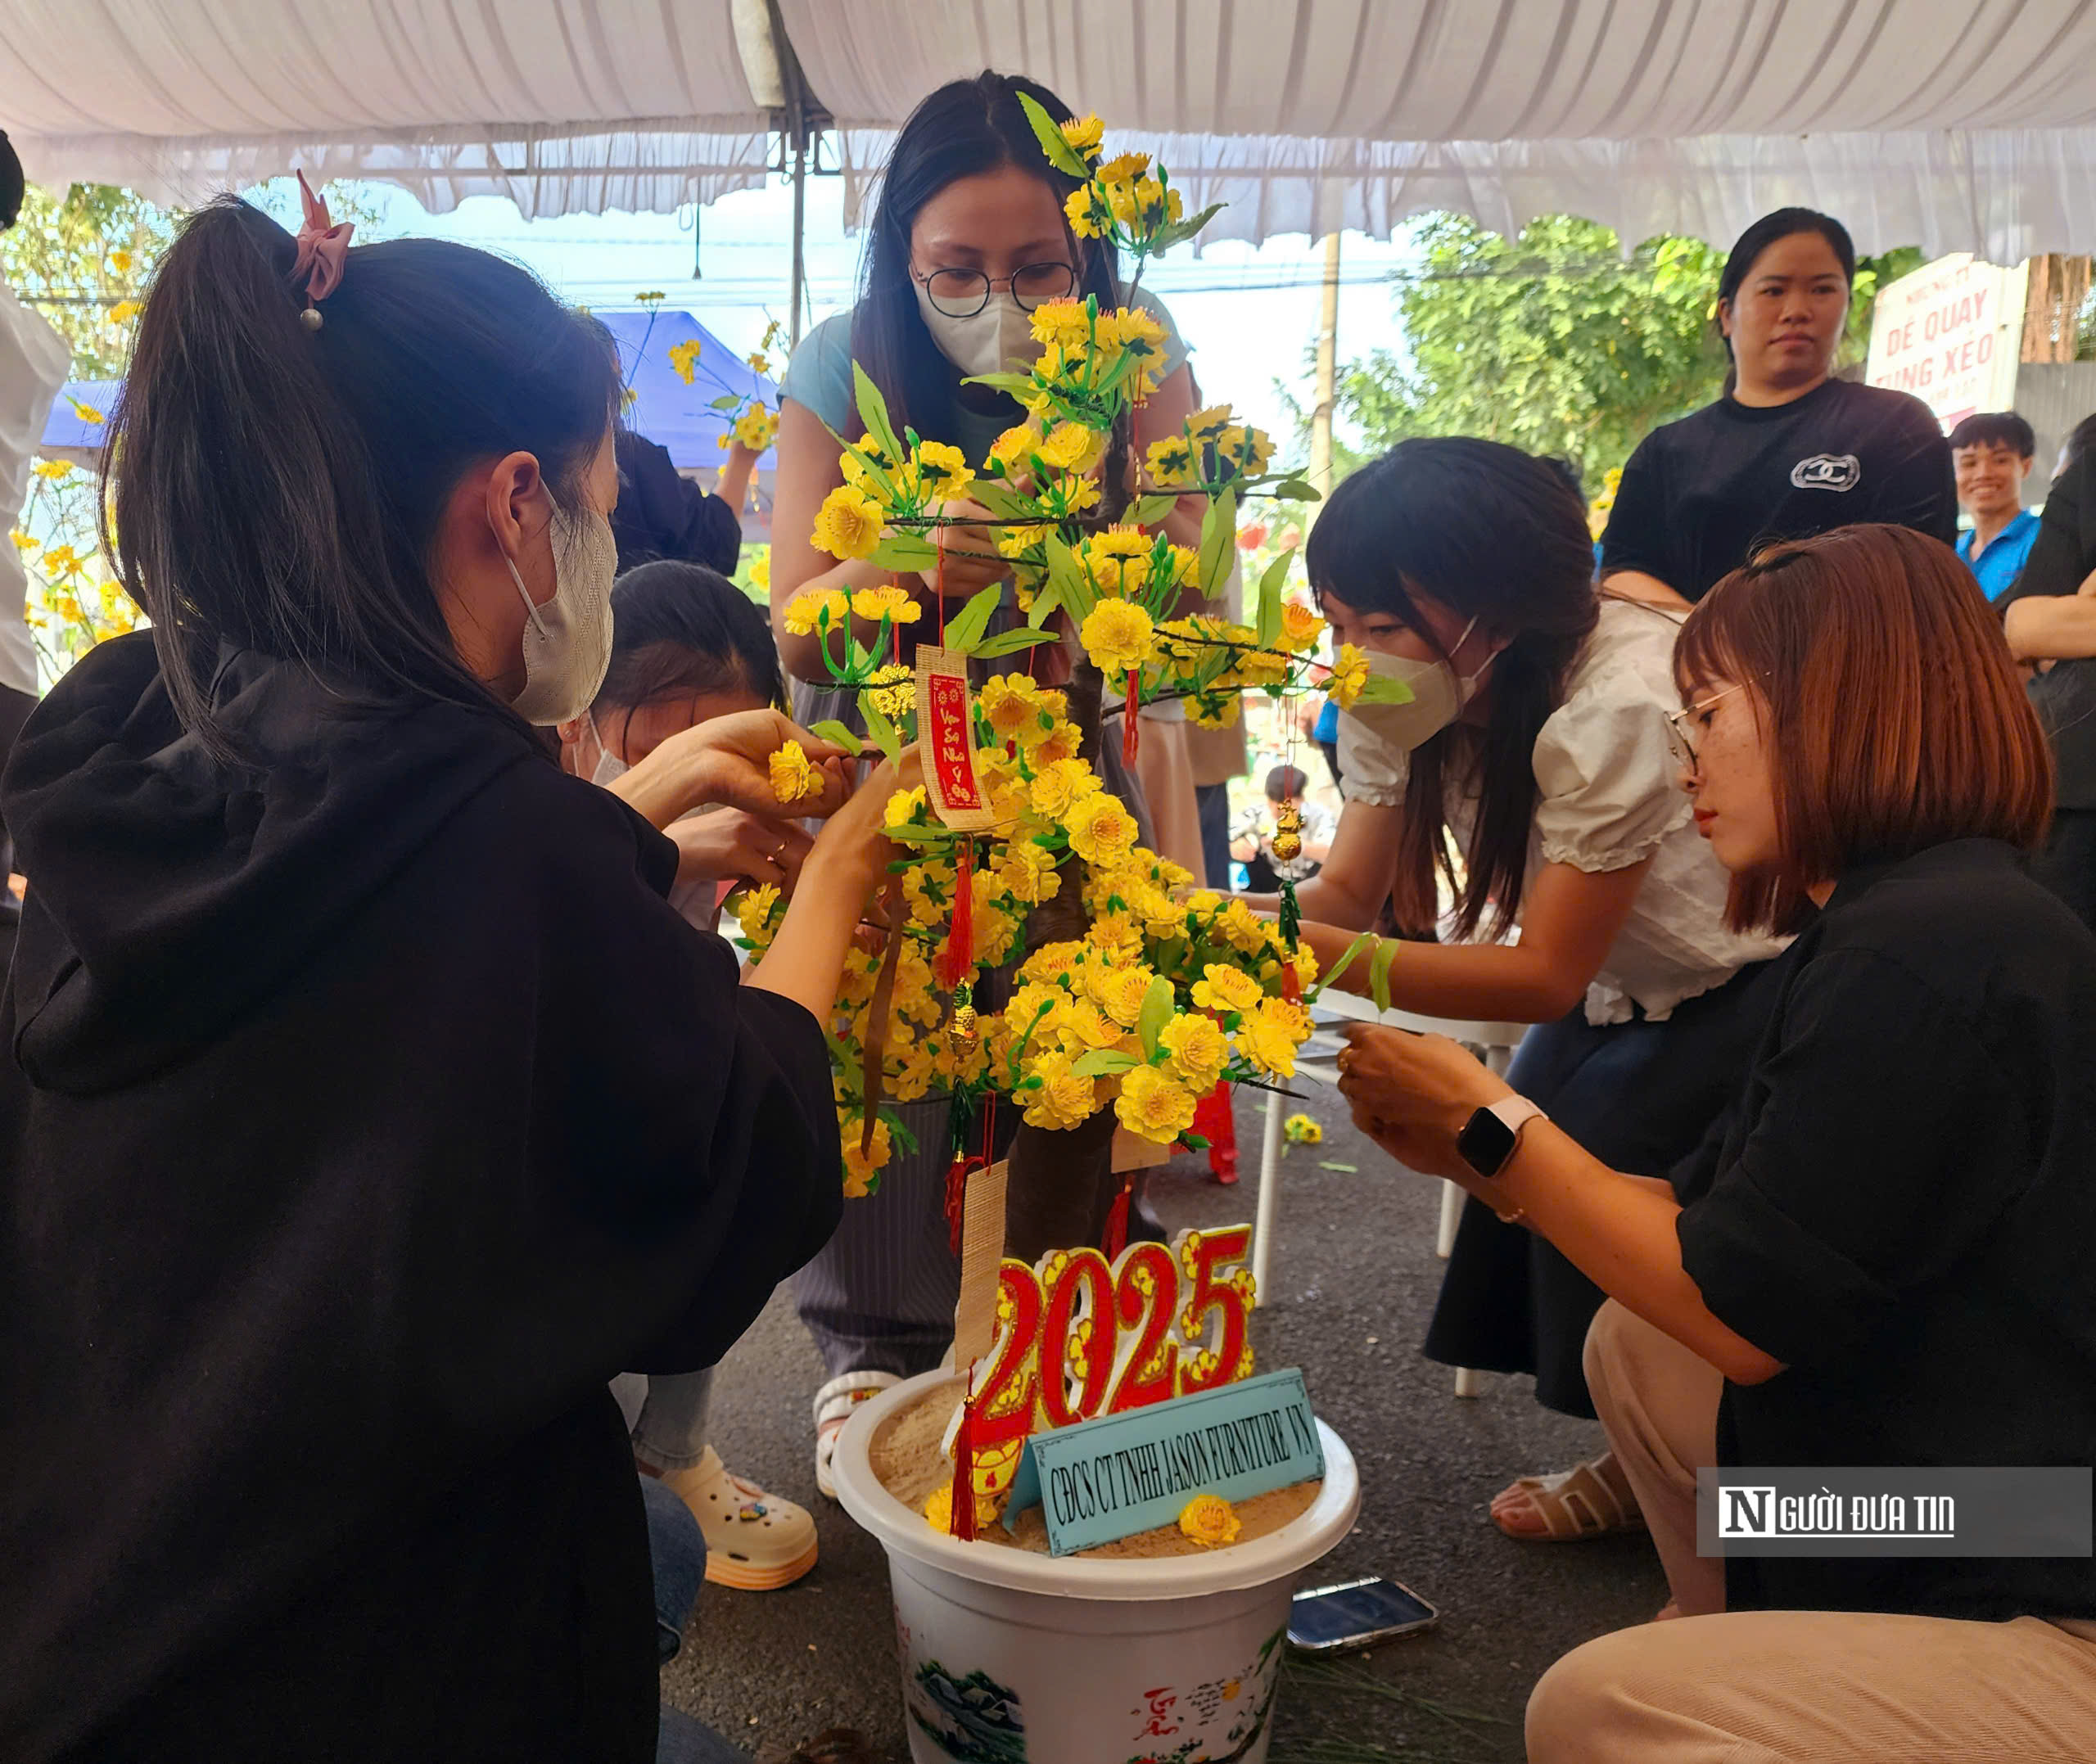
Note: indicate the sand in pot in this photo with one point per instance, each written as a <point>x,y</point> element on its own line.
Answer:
<point>905,1457</point>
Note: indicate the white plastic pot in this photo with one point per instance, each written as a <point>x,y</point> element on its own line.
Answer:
<point>1012,1658</point>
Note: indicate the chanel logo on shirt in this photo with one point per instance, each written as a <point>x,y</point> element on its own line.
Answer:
<point>1827,471</point>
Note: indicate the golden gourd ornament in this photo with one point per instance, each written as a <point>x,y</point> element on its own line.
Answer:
<point>962,1030</point>
<point>1288,832</point>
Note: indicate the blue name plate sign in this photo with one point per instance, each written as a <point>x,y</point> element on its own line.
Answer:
<point>1110,1477</point>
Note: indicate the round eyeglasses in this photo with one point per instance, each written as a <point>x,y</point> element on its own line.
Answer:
<point>963,293</point>
<point>1678,735</point>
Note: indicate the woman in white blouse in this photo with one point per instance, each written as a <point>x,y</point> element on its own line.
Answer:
<point>1530,779</point>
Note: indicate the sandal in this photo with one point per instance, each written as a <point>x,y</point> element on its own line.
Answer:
<point>1576,1505</point>
<point>835,1403</point>
<point>755,1541</point>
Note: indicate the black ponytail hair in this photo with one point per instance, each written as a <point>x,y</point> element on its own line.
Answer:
<point>279,489</point>
<point>965,128</point>
<point>1492,533</point>
<point>680,630</point>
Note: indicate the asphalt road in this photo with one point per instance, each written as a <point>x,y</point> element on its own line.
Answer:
<point>1354,1277</point>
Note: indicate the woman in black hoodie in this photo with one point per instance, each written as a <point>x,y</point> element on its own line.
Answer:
<point>364,1106</point>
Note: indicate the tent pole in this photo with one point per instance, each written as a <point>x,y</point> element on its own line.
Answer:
<point>800,240</point>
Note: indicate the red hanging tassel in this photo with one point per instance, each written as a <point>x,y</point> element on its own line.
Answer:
<point>1131,717</point>
<point>1116,1238</point>
<point>957,956</point>
<point>1291,987</point>
<point>1215,1122</point>
<point>956,1198</point>
<point>964,1467</point>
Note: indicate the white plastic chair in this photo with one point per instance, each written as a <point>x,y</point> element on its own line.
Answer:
<point>1316,1062</point>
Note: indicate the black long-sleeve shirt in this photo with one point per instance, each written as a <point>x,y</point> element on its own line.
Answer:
<point>2064,696</point>
<point>1699,495</point>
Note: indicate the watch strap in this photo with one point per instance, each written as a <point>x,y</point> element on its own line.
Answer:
<point>1487,1148</point>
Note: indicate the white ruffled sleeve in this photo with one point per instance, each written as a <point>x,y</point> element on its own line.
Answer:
<point>1370,770</point>
<point>1610,789</point>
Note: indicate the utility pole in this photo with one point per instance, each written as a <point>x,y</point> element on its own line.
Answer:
<point>1321,414</point>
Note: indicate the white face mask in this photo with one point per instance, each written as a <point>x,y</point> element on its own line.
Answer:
<point>998,338</point>
<point>1439,694</point>
<point>568,641</point>
<point>609,765</point>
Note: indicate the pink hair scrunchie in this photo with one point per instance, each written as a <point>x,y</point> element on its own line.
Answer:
<point>323,249</point>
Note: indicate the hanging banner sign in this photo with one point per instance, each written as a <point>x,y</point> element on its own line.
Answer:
<point>946,730</point>
<point>1951,333</point>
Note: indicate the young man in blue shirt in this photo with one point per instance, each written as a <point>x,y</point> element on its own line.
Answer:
<point>1991,453</point>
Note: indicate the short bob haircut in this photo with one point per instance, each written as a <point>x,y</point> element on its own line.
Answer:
<point>1895,720</point>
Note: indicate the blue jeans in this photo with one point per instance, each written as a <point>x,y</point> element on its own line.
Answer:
<point>676,1550</point>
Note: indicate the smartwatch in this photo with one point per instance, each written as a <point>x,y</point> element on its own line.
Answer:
<point>1491,1135</point>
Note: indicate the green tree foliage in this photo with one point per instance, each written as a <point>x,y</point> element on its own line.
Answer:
<point>1556,341</point>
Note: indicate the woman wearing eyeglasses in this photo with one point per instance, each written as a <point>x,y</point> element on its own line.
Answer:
<point>1883,1261</point>
<point>1529,778</point>
<point>968,237</point>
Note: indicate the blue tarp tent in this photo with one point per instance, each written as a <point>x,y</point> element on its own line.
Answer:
<point>679,417</point>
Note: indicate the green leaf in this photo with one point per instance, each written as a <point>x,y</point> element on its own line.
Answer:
<point>1066,576</point>
<point>1013,383</point>
<point>1180,231</point>
<point>1381,689</point>
<point>873,411</point>
<point>837,735</point>
<point>906,553</point>
<point>1147,510</point>
<point>1045,603</point>
<point>1159,1004</point>
<point>1001,500</point>
<point>1379,972</point>
<point>1218,539</point>
<point>1269,587</point>
<point>1346,961</point>
<point>1298,491</point>
<point>880,731</point>
<point>964,630</point>
<point>1104,1063</point>
<point>1059,152</point>
<point>727,401</point>
<point>1350,1170</point>
<point>1010,642</point>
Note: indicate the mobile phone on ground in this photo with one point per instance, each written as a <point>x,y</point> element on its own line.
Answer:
<point>1356,1614</point>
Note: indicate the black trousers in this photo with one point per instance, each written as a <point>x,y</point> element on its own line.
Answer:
<point>1640,1096</point>
<point>2068,865</point>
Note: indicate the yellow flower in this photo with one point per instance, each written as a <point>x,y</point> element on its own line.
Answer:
<point>1060,786</point>
<point>1349,674</point>
<point>683,356</point>
<point>1154,1106</point>
<point>23,542</point>
<point>848,524</point>
<point>1271,1033</point>
<point>1210,1519</point>
<point>1226,990</point>
<point>942,469</point>
<point>760,363</point>
<point>1196,1050</point>
<point>793,779</point>
<point>1300,628</point>
<point>1100,829</point>
<point>123,312</point>
<point>903,809</point>
<point>1072,447</point>
<point>893,603</point>
<point>1171,463</point>
<point>62,561</point>
<point>1082,135</point>
<point>1010,702</point>
<point>1087,218</point>
<point>1012,449</point>
<point>1083,1028</point>
<point>804,612</point>
<point>1062,324</point>
<point>1061,1098</point>
<point>1240,927</point>
<point>1301,1129</point>
<point>1209,424</point>
<point>1248,450</point>
<point>862,1169</point>
<point>938,1510</point>
<point>892,690</point>
<point>53,469</point>
<point>120,260</point>
<point>756,427</point>
<point>1125,169</point>
<point>1126,989</point>
<point>753,909</point>
<point>1116,636</point>
<point>761,570</point>
<point>1029,874</point>
<point>1134,327</point>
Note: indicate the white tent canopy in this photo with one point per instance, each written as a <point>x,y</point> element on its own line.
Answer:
<point>1955,124</point>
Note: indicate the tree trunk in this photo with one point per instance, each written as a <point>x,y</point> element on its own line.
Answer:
<point>1061,1183</point>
